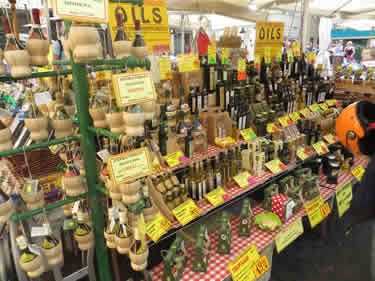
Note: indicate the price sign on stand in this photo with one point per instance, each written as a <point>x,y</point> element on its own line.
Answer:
<point>173,159</point>
<point>242,179</point>
<point>248,134</point>
<point>305,112</point>
<point>317,210</point>
<point>294,116</point>
<point>186,212</point>
<point>275,166</point>
<point>329,139</point>
<point>314,107</point>
<point>320,147</point>
<point>331,102</point>
<point>302,153</point>
<point>285,121</point>
<point>157,227</point>
<point>288,235</point>
<point>323,106</point>
<point>224,55</point>
<point>241,267</point>
<point>358,172</point>
<point>271,127</point>
<point>212,54</point>
<point>215,197</point>
<point>165,67</point>
<point>344,196</point>
<point>257,62</point>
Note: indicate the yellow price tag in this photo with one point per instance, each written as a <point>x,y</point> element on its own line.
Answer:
<point>186,212</point>
<point>331,102</point>
<point>165,67</point>
<point>241,267</point>
<point>325,209</point>
<point>241,65</point>
<point>242,179</point>
<point>323,106</point>
<point>267,55</point>
<point>320,147</point>
<point>275,166</point>
<point>314,212</point>
<point>296,49</point>
<point>358,172</point>
<point>173,159</point>
<point>224,55</point>
<point>157,227</point>
<point>302,153</point>
<point>329,138</point>
<point>271,127</point>
<point>248,134</point>
<point>261,267</point>
<point>314,107</point>
<point>305,112</point>
<point>294,116</point>
<point>212,54</point>
<point>215,197</point>
<point>288,235</point>
<point>285,121</point>
<point>344,196</point>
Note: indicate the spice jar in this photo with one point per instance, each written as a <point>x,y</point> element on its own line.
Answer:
<point>333,169</point>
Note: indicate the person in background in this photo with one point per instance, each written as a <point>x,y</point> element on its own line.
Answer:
<point>57,47</point>
<point>339,49</point>
<point>349,51</point>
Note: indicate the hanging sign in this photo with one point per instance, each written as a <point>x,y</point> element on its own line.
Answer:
<point>224,55</point>
<point>288,235</point>
<point>154,22</point>
<point>130,166</point>
<point>344,196</point>
<point>157,227</point>
<point>186,212</point>
<point>165,67</point>
<point>133,88</point>
<point>269,35</point>
<point>82,10</point>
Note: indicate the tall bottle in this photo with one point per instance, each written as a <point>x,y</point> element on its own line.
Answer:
<point>139,48</point>
<point>218,171</point>
<point>189,145</point>
<point>199,178</point>
<point>139,245</point>
<point>163,131</point>
<point>60,112</point>
<point>123,231</point>
<point>192,182</point>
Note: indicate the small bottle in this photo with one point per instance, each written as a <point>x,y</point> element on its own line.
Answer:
<point>212,174</point>
<point>199,179</point>
<point>26,255</point>
<point>60,113</point>
<point>146,196</point>
<point>192,183</point>
<point>192,99</point>
<point>163,131</point>
<point>82,228</point>
<point>204,178</point>
<point>219,171</point>
<point>285,154</point>
<point>189,145</point>
<point>139,245</point>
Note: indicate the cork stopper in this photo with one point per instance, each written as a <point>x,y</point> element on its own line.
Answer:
<point>6,25</point>
<point>36,18</point>
<point>119,20</point>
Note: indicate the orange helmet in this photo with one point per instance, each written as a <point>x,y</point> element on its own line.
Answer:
<point>355,127</point>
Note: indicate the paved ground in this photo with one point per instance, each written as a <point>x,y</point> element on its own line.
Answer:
<point>343,255</point>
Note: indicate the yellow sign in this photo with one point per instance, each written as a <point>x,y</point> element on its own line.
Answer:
<point>154,23</point>
<point>82,10</point>
<point>284,121</point>
<point>241,65</point>
<point>267,55</point>
<point>294,116</point>
<point>271,128</point>
<point>320,147</point>
<point>165,67</point>
<point>329,138</point>
<point>358,172</point>
<point>314,211</point>
<point>212,54</point>
<point>305,112</point>
<point>271,35</point>
<point>323,106</point>
<point>157,227</point>
<point>296,49</point>
<point>256,62</point>
<point>130,166</point>
<point>242,179</point>
<point>241,267</point>
<point>331,102</point>
<point>173,159</point>
<point>314,107</point>
<point>288,235</point>
<point>215,197</point>
<point>248,134</point>
<point>275,166</point>
<point>133,88</point>
<point>186,212</point>
<point>261,267</point>
<point>344,196</point>
<point>302,154</point>
<point>224,55</point>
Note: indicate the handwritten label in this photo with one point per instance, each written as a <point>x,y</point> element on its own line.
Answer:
<point>320,147</point>
<point>275,166</point>
<point>165,67</point>
<point>305,112</point>
<point>130,166</point>
<point>288,235</point>
<point>224,55</point>
<point>314,212</point>
<point>271,127</point>
<point>242,179</point>
<point>261,267</point>
<point>344,196</point>
<point>248,134</point>
<point>358,172</point>
<point>133,88</point>
<point>173,159</point>
<point>157,227</point>
<point>82,10</point>
<point>215,197</point>
<point>329,139</point>
<point>212,54</point>
<point>186,212</point>
<point>294,116</point>
<point>302,153</point>
<point>241,267</point>
<point>285,121</point>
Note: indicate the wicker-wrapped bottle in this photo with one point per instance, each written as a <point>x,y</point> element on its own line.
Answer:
<point>61,121</point>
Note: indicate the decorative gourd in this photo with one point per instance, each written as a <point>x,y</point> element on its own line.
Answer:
<point>84,42</point>
<point>36,44</point>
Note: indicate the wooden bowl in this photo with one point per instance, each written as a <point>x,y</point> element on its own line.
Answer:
<point>38,50</point>
<point>36,124</point>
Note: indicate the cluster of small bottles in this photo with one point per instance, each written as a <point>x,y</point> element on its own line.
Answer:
<point>311,130</point>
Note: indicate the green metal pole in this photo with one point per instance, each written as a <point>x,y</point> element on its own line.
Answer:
<point>89,157</point>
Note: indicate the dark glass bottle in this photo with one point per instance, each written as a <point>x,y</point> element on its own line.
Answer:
<point>220,94</point>
<point>120,34</point>
<point>163,131</point>
<point>36,31</point>
<point>138,40</point>
<point>285,154</point>
<point>189,145</point>
<point>11,42</point>
<point>192,99</point>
